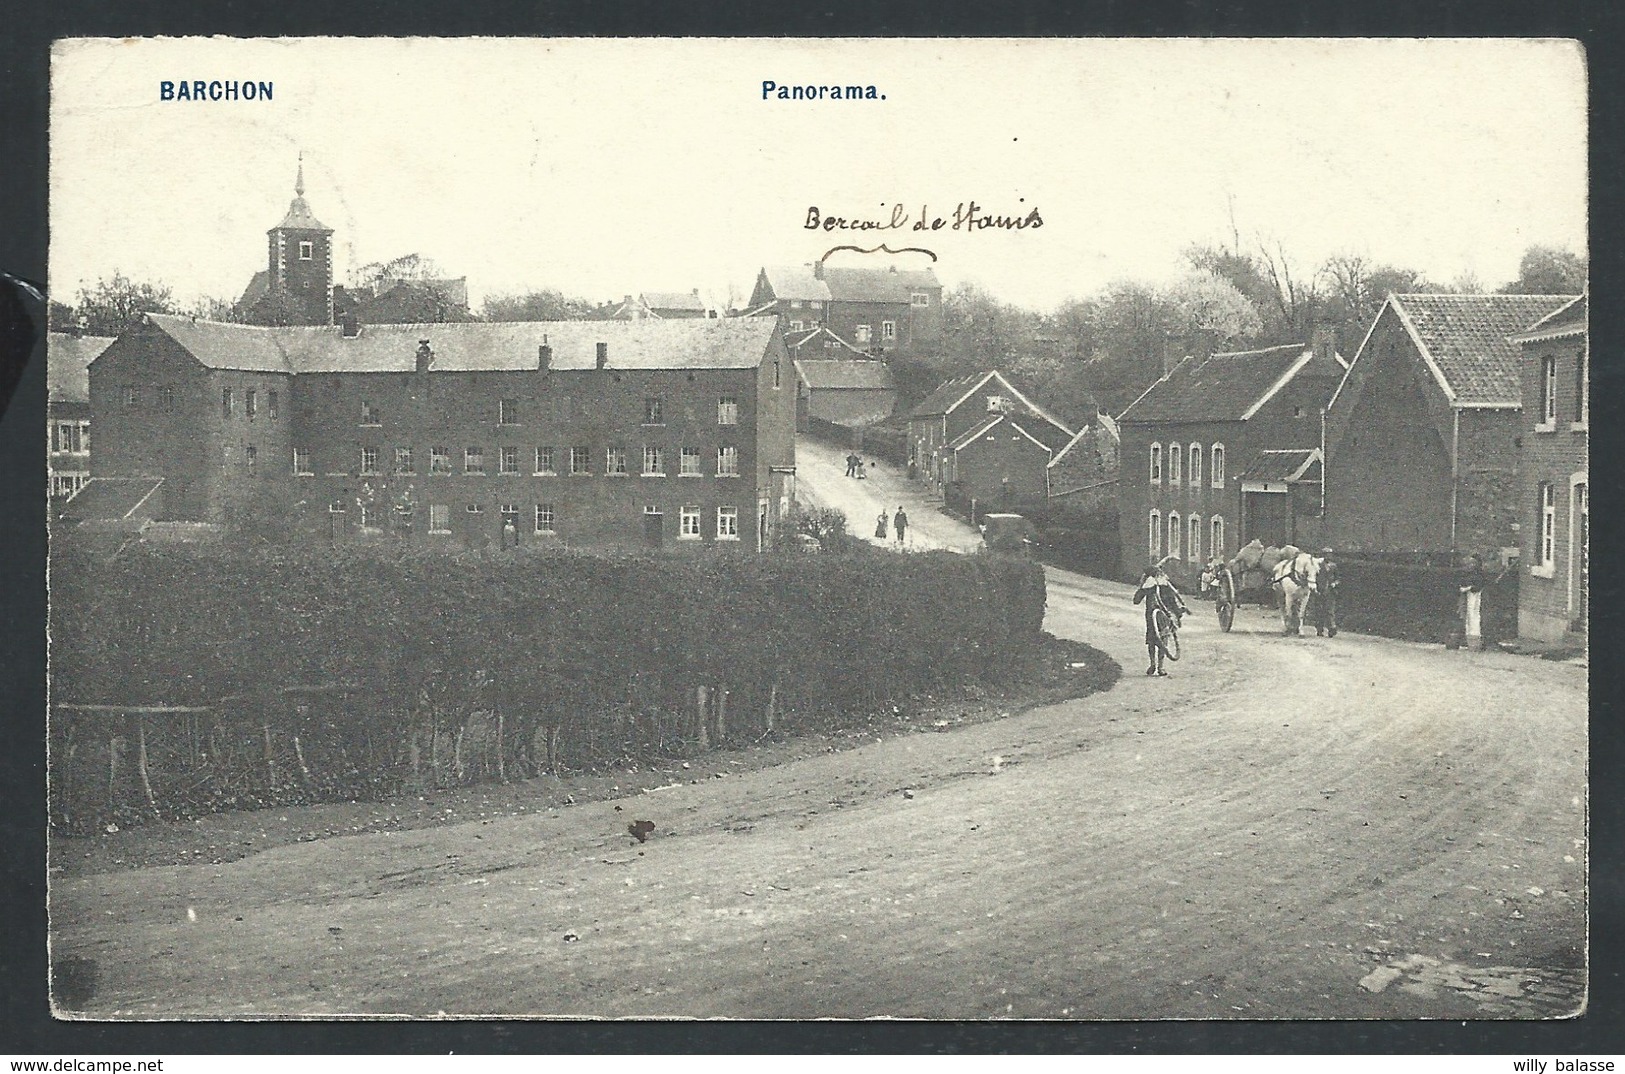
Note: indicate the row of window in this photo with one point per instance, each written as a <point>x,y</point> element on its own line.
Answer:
<point>916,299</point>
<point>508,411</point>
<point>545,518</point>
<point>1176,459</point>
<point>1183,538</point>
<point>1548,391</point>
<point>546,461</point>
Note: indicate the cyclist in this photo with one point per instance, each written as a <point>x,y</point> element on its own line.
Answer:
<point>1155,587</point>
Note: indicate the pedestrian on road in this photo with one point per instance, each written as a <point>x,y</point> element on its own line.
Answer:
<point>861,475</point>
<point>1323,601</point>
<point>1154,584</point>
<point>1471,581</point>
<point>880,526</point>
<point>851,464</point>
<point>899,522</point>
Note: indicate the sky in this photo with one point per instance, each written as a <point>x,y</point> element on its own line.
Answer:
<point>608,167</point>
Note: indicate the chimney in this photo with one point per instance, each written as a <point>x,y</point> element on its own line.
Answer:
<point>818,270</point>
<point>544,355</point>
<point>425,356</point>
<point>603,355</point>
<point>1325,344</point>
<point>349,325</point>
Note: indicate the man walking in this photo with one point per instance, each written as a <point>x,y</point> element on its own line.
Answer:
<point>851,464</point>
<point>899,523</point>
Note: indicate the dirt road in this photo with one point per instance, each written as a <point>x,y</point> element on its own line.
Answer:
<point>1282,828</point>
<point>820,481</point>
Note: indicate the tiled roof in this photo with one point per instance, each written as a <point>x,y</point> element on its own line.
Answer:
<point>300,216</point>
<point>1295,465</point>
<point>975,433</point>
<point>801,282</point>
<point>697,343</point>
<point>672,300</point>
<point>796,282</point>
<point>1565,320</point>
<point>229,346</point>
<point>842,373</point>
<point>830,341</point>
<point>67,365</point>
<point>950,394</point>
<point>878,284</point>
<point>1222,387</point>
<point>109,498</point>
<point>946,394</point>
<point>1467,339</point>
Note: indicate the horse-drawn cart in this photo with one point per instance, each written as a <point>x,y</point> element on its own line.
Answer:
<point>1246,579</point>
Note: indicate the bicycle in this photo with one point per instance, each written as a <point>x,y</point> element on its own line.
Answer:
<point>1165,623</point>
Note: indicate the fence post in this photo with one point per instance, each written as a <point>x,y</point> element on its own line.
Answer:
<point>701,695</point>
<point>141,762</point>
<point>772,703</point>
<point>722,713</point>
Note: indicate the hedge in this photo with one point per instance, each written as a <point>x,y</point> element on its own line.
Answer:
<point>1416,602</point>
<point>288,676</point>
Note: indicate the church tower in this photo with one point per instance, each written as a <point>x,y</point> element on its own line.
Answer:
<point>301,259</point>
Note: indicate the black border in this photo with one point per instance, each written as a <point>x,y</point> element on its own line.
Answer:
<point>25,1024</point>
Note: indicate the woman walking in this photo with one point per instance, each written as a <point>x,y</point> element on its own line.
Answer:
<point>1154,587</point>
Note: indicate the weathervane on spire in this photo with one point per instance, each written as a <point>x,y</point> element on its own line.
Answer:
<point>299,183</point>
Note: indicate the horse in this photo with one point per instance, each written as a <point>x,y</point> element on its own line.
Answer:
<point>1296,575</point>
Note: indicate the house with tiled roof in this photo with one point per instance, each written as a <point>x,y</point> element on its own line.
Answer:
<point>67,408</point>
<point>980,438</point>
<point>848,391</point>
<point>1555,583</point>
<point>880,310</point>
<point>598,433</point>
<point>1204,454</point>
<point>1422,435</point>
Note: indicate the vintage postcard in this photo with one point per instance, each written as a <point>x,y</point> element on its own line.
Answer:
<point>805,529</point>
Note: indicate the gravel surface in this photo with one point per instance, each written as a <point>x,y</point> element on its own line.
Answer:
<point>1298,828</point>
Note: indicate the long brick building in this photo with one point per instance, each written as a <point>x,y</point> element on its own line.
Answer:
<point>581,432</point>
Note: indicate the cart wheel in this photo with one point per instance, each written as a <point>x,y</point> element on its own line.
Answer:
<point>1227,615</point>
<point>1167,633</point>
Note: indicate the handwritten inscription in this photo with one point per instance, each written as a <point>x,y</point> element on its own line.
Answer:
<point>967,216</point>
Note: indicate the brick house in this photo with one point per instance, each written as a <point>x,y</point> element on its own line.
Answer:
<point>1555,493</point>
<point>67,409</point>
<point>879,310</point>
<point>1422,435</point>
<point>1201,470</point>
<point>592,433</point>
<point>846,391</point>
<point>979,437</point>
<point>299,269</point>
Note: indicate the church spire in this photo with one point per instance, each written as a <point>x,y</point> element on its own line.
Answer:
<point>299,214</point>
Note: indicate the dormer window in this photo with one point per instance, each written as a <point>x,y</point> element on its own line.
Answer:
<point>919,298</point>
<point>307,251</point>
